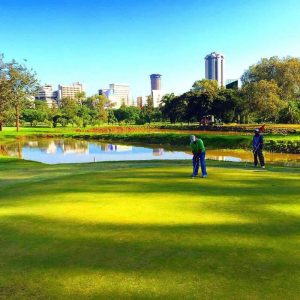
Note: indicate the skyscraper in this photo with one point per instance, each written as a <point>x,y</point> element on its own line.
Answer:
<point>156,91</point>
<point>155,82</point>
<point>214,67</point>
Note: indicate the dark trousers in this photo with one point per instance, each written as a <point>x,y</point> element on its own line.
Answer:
<point>196,159</point>
<point>259,154</point>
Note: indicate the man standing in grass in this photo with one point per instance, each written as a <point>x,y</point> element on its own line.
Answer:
<point>198,150</point>
<point>257,145</point>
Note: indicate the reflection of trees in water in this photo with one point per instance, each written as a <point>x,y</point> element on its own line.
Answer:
<point>12,149</point>
<point>3,150</point>
<point>72,146</point>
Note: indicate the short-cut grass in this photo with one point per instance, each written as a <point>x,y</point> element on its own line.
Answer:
<point>145,230</point>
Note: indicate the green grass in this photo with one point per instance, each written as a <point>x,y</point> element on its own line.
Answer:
<point>144,230</point>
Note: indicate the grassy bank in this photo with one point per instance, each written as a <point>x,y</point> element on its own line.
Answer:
<point>145,230</point>
<point>275,143</point>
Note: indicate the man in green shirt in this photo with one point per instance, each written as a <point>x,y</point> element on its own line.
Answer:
<point>198,149</point>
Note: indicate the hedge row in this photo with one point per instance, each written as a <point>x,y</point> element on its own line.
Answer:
<point>224,128</point>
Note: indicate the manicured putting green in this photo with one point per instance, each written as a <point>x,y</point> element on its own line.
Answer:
<point>144,230</point>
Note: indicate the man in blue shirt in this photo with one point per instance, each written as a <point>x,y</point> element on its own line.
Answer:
<point>258,144</point>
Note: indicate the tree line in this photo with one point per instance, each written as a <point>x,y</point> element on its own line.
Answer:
<point>270,92</point>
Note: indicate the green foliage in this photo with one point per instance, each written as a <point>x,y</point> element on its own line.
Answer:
<point>291,113</point>
<point>264,99</point>
<point>284,72</point>
<point>18,84</point>
<point>129,114</point>
<point>207,86</point>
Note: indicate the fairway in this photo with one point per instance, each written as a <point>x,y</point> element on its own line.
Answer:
<point>145,230</point>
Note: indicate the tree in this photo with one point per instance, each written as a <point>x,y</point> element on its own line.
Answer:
<point>284,72</point>
<point>32,116</point>
<point>84,114</point>
<point>201,103</point>
<point>291,113</point>
<point>225,104</point>
<point>80,97</point>
<point>132,114</point>
<point>166,107</point>
<point>69,108</point>
<point>147,112</point>
<point>23,86</point>
<point>4,91</point>
<point>102,104</point>
<point>129,114</point>
<point>264,99</point>
<point>111,117</point>
<point>207,86</point>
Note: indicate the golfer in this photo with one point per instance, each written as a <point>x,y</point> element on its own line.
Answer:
<point>258,144</point>
<point>198,150</point>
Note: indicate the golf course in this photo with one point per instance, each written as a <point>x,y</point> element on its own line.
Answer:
<point>145,230</point>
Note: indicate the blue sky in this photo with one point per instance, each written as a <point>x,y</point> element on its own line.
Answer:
<point>124,41</point>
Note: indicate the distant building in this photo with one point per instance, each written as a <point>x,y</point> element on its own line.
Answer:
<point>232,84</point>
<point>118,94</point>
<point>141,101</point>
<point>46,93</point>
<point>157,96</point>
<point>214,67</point>
<point>155,81</point>
<point>69,91</point>
<point>108,93</point>
<point>156,92</point>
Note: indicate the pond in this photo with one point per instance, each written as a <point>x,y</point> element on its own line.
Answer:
<point>57,151</point>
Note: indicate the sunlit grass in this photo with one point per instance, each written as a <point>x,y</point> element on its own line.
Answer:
<point>146,230</point>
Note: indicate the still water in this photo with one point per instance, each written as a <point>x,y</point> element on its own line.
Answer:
<point>57,151</point>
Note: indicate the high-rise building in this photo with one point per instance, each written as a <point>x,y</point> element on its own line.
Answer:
<point>155,82</point>
<point>46,93</point>
<point>121,94</point>
<point>69,91</point>
<point>156,92</point>
<point>214,67</point>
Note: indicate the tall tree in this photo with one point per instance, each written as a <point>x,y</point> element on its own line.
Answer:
<point>102,104</point>
<point>69,108</point>
<point>23,86</point>
<point>264,99</point>
<point>285,72</point>
<point>4,104</point>
<point>224,106</point>
<point>4,90</point>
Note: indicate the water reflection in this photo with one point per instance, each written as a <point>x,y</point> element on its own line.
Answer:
<point>55,151</point>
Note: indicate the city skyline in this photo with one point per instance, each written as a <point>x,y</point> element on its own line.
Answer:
<point>125,41</point>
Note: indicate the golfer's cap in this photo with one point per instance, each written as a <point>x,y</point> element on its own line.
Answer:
<point>193,138</point>
<point>256,130</point>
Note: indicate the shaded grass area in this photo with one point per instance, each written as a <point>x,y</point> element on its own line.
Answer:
<point>144,230</point>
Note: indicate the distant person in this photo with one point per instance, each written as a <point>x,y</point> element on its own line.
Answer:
<point>258,144</point>
<point>198,150</point>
